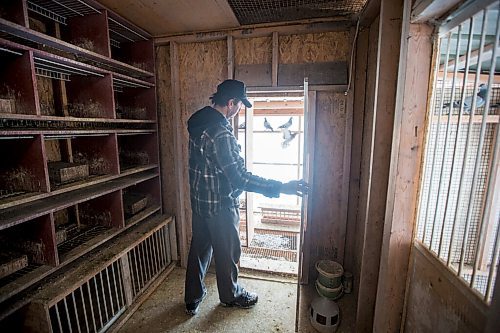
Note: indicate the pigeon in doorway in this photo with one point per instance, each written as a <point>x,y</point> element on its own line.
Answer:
<point>480,100</point>
<point>242,125</point>
<point>286,133</point>
<point>287,124</point>
<point>267,125</point>
<point>287,141</point>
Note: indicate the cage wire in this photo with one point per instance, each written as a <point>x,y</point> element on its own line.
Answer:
<point>268,11</point>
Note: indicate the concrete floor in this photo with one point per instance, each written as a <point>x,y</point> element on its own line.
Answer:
<point>163,311</point>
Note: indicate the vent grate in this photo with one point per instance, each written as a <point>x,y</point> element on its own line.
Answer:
<point>266,11</point>
<point>148,259</point>
<point>93,306</point>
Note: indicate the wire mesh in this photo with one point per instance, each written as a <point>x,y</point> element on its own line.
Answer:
<point>266,11</point>
<point>461,158</point>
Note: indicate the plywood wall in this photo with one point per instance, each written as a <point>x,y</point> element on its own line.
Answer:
<point>438,302</point>
<point>166,128</point>
<point>252,51</point>
<point>203,65</point>
<point>316,47</point>
<point>328,231</point>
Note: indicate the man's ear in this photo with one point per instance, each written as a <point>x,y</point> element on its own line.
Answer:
<point>230,103</point>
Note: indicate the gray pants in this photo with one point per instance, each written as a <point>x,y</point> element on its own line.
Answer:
<point>218,235</point>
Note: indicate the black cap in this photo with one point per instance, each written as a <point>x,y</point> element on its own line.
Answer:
<point>234,89</point>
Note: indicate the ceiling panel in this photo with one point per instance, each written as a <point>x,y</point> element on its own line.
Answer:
<point>169,17</point>
<point>166,17</point>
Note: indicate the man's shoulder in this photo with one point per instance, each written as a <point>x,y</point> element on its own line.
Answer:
<point>217,131</point>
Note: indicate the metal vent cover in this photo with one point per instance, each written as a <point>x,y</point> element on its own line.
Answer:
<point>267,11</point>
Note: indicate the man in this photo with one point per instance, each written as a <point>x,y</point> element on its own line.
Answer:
<point>217,176</point>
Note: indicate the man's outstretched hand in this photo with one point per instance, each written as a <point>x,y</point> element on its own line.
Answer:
<point>295,187</point>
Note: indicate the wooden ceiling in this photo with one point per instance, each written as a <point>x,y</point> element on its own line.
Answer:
<point>168,17</point>
<point>171,17</point>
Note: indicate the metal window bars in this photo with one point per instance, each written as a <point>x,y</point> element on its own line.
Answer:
<point>96,303</point>
<point>459,208</point>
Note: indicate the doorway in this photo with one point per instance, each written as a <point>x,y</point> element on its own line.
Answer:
<point>271,136</point>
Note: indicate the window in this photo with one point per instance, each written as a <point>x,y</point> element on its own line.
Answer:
<point>459,207</point>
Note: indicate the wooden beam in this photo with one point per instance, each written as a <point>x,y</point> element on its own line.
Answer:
<point>369,13</point>
<point>299,27</point>
<point>431,10</point>
<point>180,215</point>
<point>298,88</point>
<point>249,144</point>
<point>493,322</point>
<point>349,134</point>
<point>309,138</point>
<point>278,105</point>
<point>359,91</point>
<point>230,57</point>
<point>388,48</point>
<point>406,153</point>
<point>319,73</point>
<point>277,112</point>
<point>275,60</point>
<point>474,55</point>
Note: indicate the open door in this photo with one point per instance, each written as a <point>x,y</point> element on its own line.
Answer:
<point>308,157</point>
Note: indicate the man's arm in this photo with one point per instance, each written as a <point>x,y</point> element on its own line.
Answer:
<point>228,158</point>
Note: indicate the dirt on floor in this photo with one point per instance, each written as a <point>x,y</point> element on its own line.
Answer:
<point>163,311</point>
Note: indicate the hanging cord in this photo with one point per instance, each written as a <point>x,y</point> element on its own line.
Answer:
<point>352,58</point>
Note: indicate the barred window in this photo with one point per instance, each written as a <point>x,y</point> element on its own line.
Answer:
<point>459,206</point>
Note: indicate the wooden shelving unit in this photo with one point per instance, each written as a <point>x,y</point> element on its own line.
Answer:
<point>78,138</point>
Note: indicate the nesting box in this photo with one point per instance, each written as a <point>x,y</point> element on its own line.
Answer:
<point>7,105</point>
<point>134,203</point>
<point>62,172</point>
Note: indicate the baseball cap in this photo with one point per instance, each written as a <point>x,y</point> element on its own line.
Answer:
<point>234,89</point>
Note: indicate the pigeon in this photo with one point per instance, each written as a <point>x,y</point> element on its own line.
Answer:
<point>480,100</point>
<point>242,125</point>
<point>286,133</point>
<point>287,124</point>
<point>286,143</point>
<point>267,125</point>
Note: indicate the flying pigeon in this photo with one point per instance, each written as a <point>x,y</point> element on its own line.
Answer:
<point>286,133</point>
<point>267,125</point>
<point>480,100</point>
<point>242,125</point>
<point>286,143</point>
<point>287,124</point>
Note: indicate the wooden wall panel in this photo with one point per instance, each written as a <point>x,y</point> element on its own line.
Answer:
<point>407,149</point>
<point>367,145</point>
<point>166,129</point>
<point>317,47</point>
<point>351,263</point>
<point>202,66</point>
<point>328,231</point>
<point>251,51</point>
<point>438,301</point>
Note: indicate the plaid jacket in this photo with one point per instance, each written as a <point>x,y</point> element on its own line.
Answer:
<point>217,173</point>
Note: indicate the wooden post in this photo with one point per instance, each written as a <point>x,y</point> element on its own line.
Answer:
<point>249,165</point>
<point>380,138</point>
<point>358,92</point>
<point>406,154</point>
<point>127,279</point>
<point>493,322</point>
<point>180,211</point>
<point>275,59</point>
<point>310,129</point>
<point>230,57</point>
